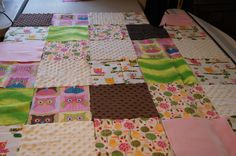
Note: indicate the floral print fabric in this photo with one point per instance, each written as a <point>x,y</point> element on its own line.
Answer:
<point>72,50</point>
<point>181,101</point>
<point>115,72</point>
<point>186,32</point>
<point>107,32</point>
<point>129,137</point>
<point>135,18</point>
<point>213,71</point>
<point>10,138</point>
<point>20,34</point>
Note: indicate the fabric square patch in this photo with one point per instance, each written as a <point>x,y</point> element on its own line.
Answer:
<point>181,101</point>
<point>106,18</point>
<point>213,71</point>
<point>106,72</point>
<point>69,19</point>
<point>10,137</point>
<point>107,32</point>
<point>115,72</point>
<point>139,136</point>
<point>46,101</point>
<point>135,18</point>
<point>211,137</point>
<point>66,50</point>
<point>21,75</point>
<point>20,34</point>
<point>33,20</point>
<point>146,31</point>
<point>111,50</point>
<point>74,99</point>
<point>166,71</point>
<point>21,51</point>
<point>223,98</point>
<point>67,33</point>
<point>5,69</point>
<point>120,101</point>
<point>156,48</point>
<point>75,116</point>
<point>68,138</point>
<point>200,49</point>
<point>186,32</point>
<point>14,105</point>
<point>131,72</point>
<point>63,73</point>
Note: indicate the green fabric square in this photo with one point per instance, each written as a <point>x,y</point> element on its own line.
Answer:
<point>166,71</point>
<point>15,105</point>
<point>67,33</point>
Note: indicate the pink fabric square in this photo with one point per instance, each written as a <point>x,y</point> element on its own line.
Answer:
<point>201,137</point>
<point>179,19</point>
<point>21,51</point>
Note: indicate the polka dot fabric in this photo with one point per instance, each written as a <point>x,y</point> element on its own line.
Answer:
<point>33,20</point>
<point>62,73</point>
<point>121,101</point>
<point>71,138</point>
<point>112,50</point>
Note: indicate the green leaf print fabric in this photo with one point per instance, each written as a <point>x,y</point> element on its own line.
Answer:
<point>67,33</point>
<point>166,71</point>
<point>14,105</point>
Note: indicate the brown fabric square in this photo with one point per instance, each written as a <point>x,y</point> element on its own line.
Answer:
<point>146,31</point>
<point>33,20</point>
<point>121,101</point>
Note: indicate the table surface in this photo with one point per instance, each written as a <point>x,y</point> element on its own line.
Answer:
<point>57,6</point>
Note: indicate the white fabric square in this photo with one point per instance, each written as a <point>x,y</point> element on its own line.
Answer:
<point>199,49</point>
<point>69,138</point>
<point>112,50</point>
<point>63,73</point>
<point>106,18</point>
<point>223,98</point>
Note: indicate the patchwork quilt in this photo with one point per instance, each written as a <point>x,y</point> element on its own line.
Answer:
<point>105,83</point>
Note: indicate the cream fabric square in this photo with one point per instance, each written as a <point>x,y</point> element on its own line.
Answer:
<point>199,49</point>
<point>223,98</point>
<point>60,139</point>
<point>106,18</point>
<point>112,50</point>
<point>63,73</point>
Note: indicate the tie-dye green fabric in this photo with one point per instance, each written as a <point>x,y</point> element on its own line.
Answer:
<point>166,71</point>
<point>14,105</point>
<point>67,33</point>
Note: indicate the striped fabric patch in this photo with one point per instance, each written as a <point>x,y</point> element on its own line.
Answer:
<point>167,71</point>
<point>67,33</point>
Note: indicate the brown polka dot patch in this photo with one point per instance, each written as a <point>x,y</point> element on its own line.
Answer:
<point>33,20</point>
<point>146,31</point>
<point>121,101</point>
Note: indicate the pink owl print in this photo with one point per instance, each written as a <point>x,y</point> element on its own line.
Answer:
<point>43,105</point>
<point>17,82</point>
<point>74,103</point>
<point>23,69</point>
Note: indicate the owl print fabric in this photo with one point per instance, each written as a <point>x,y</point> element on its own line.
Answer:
<point>18,75</point>
<point>60,105</point>
<point>69,19</point>
<point>115,72</point>
<point>156,48</point>
<point>105,82</point>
